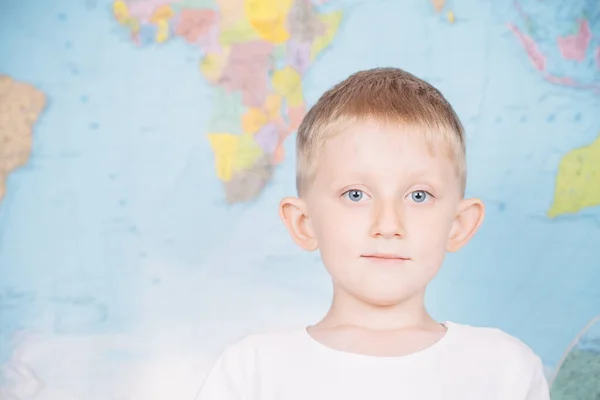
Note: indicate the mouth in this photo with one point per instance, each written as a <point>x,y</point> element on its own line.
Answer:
<point>384,257</point>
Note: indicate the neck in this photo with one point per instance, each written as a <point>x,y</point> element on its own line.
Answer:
<point>348,310</point>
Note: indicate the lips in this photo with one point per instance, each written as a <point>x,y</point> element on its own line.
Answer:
<point>385,257</point>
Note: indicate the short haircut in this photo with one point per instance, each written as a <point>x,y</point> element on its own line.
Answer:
<point>387,95</point>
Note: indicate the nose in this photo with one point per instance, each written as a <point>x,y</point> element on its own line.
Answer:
<point>387,220</point>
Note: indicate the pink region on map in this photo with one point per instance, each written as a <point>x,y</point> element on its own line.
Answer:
<point>565,81</point>
<point>247,71</point>
<point>535,55</point>
<point>574,47</point>
<point>210,42</point>
<point>195,23</point>
<point>144,9</point>
<point>598,57</point>
<point>295,115</point>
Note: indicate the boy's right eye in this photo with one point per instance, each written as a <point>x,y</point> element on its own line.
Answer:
<point>355,195</point>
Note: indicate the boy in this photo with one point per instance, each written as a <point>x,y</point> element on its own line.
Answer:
<point>381,178</point>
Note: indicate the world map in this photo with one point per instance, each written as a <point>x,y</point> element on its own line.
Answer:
<point>145,144</point>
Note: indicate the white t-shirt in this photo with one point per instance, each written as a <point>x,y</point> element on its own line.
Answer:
<point>468,363</point>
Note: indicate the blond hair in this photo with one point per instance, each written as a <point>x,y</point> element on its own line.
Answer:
<point>388,95</point>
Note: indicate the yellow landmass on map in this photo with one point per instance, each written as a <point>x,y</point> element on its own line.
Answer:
<point>332,23</point>
<point>212,64</point>
<point>20,107</point>
<point>287,82</point>
<point>241,32</point>
<point>224,146</point>
<point>233,153</point>
<point>577,181</point>
<point>162,31</point>
<point>269,18</point>
<point>247,153</point>
<point>121,11</point>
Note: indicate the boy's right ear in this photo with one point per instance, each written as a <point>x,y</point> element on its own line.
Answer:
<point>293,213</point>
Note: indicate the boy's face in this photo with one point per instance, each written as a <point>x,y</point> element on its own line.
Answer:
<point>383,210</point>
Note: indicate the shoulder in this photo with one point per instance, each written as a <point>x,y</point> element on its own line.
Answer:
<point>234,374</point>
<point>493,344</point>
<point>489,336</point>
<point>495,353</point>
<point>268,344</point>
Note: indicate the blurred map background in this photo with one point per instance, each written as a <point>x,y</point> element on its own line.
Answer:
<point>145,144</point>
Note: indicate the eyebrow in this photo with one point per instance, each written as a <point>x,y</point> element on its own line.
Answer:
<point>360,178</point>
<point>419,173</point>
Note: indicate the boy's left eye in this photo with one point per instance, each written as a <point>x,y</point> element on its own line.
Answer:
<point>419,196</point>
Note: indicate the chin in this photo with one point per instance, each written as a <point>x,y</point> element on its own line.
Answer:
<point>385,297</point>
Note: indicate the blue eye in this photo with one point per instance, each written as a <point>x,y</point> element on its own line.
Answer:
<point>419,196</point>
<point>354,195</point>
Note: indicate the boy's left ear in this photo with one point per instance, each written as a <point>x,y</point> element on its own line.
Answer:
<point>469,217</point>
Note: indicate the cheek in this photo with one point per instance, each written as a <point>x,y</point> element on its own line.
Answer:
<point>431,232</point>
<point>338,230</point>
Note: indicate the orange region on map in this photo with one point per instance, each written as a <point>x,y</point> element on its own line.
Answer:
<point>438,5</point>
<point>20,107</point>
<point>253,119</point>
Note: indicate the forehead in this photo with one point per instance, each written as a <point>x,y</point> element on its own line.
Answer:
<point>372,146</point>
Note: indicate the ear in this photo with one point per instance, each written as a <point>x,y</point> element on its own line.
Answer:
<point>293,213</point>
<point>470,215</point>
